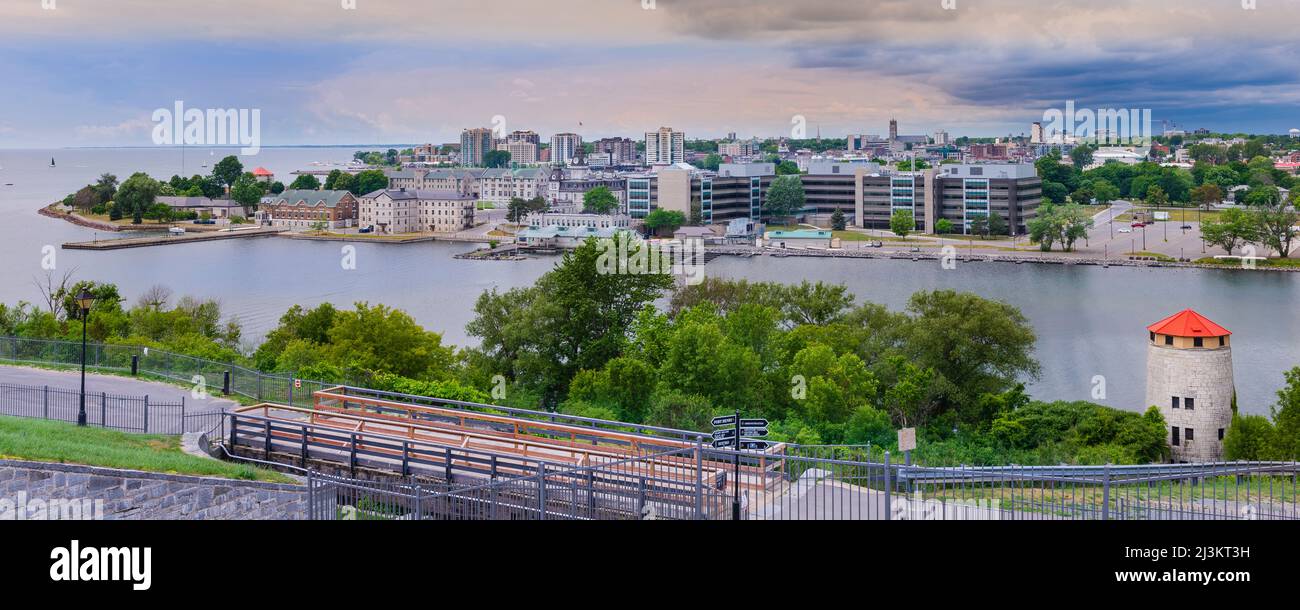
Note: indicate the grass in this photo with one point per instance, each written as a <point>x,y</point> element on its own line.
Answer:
<point>1272,262</point>
<point>1178,215</point>
<point>66,443</point>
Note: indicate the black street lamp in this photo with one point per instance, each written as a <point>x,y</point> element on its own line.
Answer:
<point>84,301</point>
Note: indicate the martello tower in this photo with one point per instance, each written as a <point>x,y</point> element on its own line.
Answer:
<point>1189,377</point>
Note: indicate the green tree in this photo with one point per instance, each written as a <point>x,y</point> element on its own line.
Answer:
<point>248,191</point>
<point>368,181</point>
<point>305,182</point>
<point>902,223</point>
<point>1156,196</point>
<point>785,197</point>
<point>1249,437</point>
<point>998,225</point>
<point>228,170</point>
<point>660,221</point>
<point>496,158</point>
<point>943,226</point>
<point>599,200</point>
<point>1232,229</point>
<point>136,195</point>
<point>838,222</point>
<point>1286,419</point>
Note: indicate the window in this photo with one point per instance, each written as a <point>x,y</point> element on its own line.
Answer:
<point>1189,433</point>
<point>1175,440</point>
<point>1169,339</point>
<point>1175,402</point>
<point>1153,337</point>
<point>1189,403</point>
<point>1220,433</point>
<point>1221,342</point>
<point>1198,342</point>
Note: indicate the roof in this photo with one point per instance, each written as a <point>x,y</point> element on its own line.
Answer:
<point>1188,323</point>
<point>328,199</point>
<point>421,194</point>
<point>262,171</point>
<point>800,234</point>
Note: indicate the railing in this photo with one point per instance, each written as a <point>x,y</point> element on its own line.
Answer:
<point>115,411</point>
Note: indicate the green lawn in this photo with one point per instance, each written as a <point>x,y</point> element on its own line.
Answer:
<point>56,441</point>
<point>1272,262</point>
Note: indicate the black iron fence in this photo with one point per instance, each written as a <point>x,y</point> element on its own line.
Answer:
<point>115,411</point>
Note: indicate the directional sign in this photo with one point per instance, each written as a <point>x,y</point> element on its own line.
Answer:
<point>725,433</point>
<point>751,432</point>
<point>726,420</point>
<point>755,445</point>
<point>726,443</point>
<point>753,423</point>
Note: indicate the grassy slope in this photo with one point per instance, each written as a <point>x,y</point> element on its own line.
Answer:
<point>55,441</point>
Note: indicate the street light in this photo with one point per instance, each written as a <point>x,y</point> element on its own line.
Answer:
<point>84,301</point>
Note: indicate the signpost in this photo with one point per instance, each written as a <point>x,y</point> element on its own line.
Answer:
<point>732,432</point>
<point>906,443</point>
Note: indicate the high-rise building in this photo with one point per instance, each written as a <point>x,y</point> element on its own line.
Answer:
<point>620,151</point>
<point>665,147</point>
<point>566,148</point>
<point>893,130</point>
<point>1189,377</point>
<point>941,138</point>
<point>474,144</point>
<point>1036,133</point>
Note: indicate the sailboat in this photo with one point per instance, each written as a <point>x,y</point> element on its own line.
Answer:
<point>51,161</point>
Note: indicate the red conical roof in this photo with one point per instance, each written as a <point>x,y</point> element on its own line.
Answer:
<point>1188,323</point>
<point>262,171</point>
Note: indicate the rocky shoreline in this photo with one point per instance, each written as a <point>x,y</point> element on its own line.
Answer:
<point>50,212</point>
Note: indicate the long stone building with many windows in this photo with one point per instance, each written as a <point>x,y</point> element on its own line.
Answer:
<point>394,211</point>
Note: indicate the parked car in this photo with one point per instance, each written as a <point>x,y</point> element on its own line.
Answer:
<point>367,229</point>
<point>176,230</point>
<point>1186,227</point>
<point>1138,225</point>
<point>1125,230</point>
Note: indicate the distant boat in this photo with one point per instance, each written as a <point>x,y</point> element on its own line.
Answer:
<point>51,161</point>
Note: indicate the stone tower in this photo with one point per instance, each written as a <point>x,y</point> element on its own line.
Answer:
<point>1189,377</point>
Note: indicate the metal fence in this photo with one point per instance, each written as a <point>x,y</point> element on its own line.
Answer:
<point>216,377</point>
<point>115,411</point>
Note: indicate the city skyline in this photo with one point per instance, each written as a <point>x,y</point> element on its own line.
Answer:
<point>92,73</point>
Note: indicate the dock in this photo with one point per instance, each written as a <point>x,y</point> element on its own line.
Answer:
<point>168,239</point>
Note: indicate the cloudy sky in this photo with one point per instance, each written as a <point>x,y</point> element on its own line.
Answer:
<point>91,72</point>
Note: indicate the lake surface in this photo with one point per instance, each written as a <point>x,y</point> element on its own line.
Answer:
<point>1090,321</point>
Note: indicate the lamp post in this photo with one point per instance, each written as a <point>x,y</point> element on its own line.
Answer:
<point>84,301</point>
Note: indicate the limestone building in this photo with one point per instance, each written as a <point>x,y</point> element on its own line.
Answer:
<point>1189,377</point>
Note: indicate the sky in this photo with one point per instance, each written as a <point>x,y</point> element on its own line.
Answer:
<point>93,72</point>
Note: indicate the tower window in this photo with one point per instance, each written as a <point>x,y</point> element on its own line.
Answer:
<point>1175,402</point>
<point>1220,433</point>
<point>1153,337</point>
<point>1189,403</point>
<point>1222,342</point>
<point>1169,339</point>
<point>1175,438</point>
<point>1198,342</point>
<point>1189,433</point>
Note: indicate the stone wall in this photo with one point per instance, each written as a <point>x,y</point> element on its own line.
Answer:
<point>1202,374</point>
<point>133,494</point>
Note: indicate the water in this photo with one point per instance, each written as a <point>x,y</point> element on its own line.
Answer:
<point>1090,321</point>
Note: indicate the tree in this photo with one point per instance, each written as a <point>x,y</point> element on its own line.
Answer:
<point>1263,196</point>
<point>136,195</point>
<point>1286,419</point>
<point>331,179</point>
<point>785,197</point>
<point>599,200</point>
<point>838,222</point>
<point>228,170</point>
<point>998,225</point>
<point>1249,437</point>
<point>979,225</point>
<point>1232,229</point>
<point>978,345</point>
<point>277,187</point>
<point>787,168</point>
<point>660,221</point>
<point>711,162</point>
<point>902,223</point>
<point>247,191</point>
<point>1207,195</point>
<point>1081,156</point>
<point>1104,191</point>
<point>1156,196</point>
<point>1275,225</point>
<point>106,187</point>
<point>496,158</point>
<point>305,182</point>
<point>1059,224</point>
<point>369,181</point>
<point>86,198</point>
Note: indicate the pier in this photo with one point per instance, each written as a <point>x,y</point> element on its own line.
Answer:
<point>167,239</point>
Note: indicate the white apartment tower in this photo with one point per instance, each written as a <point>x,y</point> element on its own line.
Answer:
<point>665,147</point>
<point>566,148</point>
